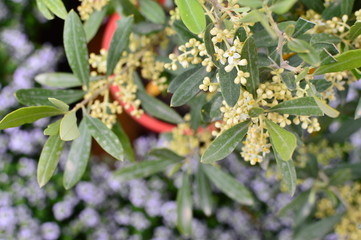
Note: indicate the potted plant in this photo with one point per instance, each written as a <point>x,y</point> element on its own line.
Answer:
<point>262,72</point>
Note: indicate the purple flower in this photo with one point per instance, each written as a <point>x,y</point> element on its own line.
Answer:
<point>89,193</point>
<point>50,231</point>
<point>7,218</point>
<point>62,210</point>
<point>169,213</point>
<point>89,217</point>
<point>139,221</point>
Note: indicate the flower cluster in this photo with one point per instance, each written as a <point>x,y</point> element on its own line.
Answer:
<point>87,7</point>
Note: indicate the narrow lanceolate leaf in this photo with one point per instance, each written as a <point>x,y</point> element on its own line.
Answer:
<point>93,23</point>
<point>355,31</point>
<point>75,45</point>
<point>283,6</point>
<point>283,141</point>
<point>250,3</point>
<point>177,81</point>
<point>225,143</point>
<point>288,173</point>
<point>39,96</point>
<point>209,44</point>
<point>59,104</point>
<point>44,9</point>
<point>345,61</point>
<point>53,128</point>
<point>152,165</point>
<point>326,109</point>
<point>58,80</point>
<point>57,7</point>
<point>155,15</point>
<point>319,229</point>
<point>184,206</point>
<point>28,115</point>
<point>358,110</point>
<point>229,185</point>
<point>157,108</point>
<point>305,106</point>
<point>49,159</point>
<point>289,79</point>
<point>192,15</point>
<point>119,42</point>
<point>124,140</point>
<point>305,51</point>
<point>78,157</point>
<point>230,90</point>
<point>68,127</point>
<point>105,137</point>
<point>205,201</point>
<point>346,7</point>
<point>302,26</point>
<point>249,52</point>
<point>189,88</point>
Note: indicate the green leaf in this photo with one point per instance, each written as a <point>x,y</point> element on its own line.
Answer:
<point>250,3</point>
<point>39,96</point>
<point>152,11</point>
<point>305,106</point>
<point>345,61</point>
<point>283,141</point>
<point>288,173</point>
<point>317,230</point>
<point>225,143</point>
<point>28,115</point>
<point>321,85</point>
<point>326,57</point>
<point>305,51</point>
<point>49,159</point>
<point>355,31</point>
<point>124,140</point>
<point>78,157</point>
<point>211,110</point>
<point>189,88</point>
<point>255,111</point>
<point>69,127</point>
<point>155,162</point>
<point>346,7</point>
<point>196,105</point>
<point>146,28</point>
<point>241,34</point>
<point>316,5</point>
<point>119,42</point>
<point>229,185</point>
<point>92,24</point>
<point>59,80</point>
<point>209,44</point>
<point>105,137</point>
<point>44,9</point>
<point>249,52</point>
<point>283,6</point>
<point>57,7</point>
<point>302,26</point>
<point>324,38</point>
<point>184,207</point>
<point>205,201</point>
<point>75,46</point>
<point>289,79</point>
<point>128,9</point>
<point>192,15</point>
<point>177,81</point>
<point>326,109</point>
<point>59,104</point>
<point>230,90</point>
<point>297,203</point>
<point>358,110</point>
<point>157,108</point>
<point>182,31</point>
<point>52,128</point>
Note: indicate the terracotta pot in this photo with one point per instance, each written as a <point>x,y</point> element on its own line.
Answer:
<point>145,120</point>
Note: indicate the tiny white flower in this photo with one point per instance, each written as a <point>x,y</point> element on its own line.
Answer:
<point>231,55</point>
